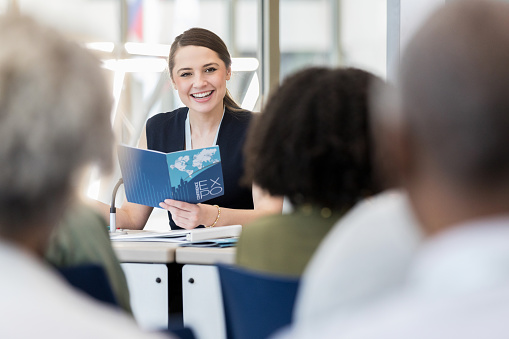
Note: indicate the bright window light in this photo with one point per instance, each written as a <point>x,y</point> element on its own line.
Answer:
<point>101,46</point>
<point>252,94</point>
<point>94,184</point>
<point>162,50</point>
<point>118,82</point>
<point>135,65</point>
<point>244,64</point>
<point>159,50</point>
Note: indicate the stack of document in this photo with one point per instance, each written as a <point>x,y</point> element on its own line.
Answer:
<point>181,236</point>
<point>222,243</point>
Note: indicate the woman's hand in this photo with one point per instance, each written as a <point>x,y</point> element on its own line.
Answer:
<point>188,215</point>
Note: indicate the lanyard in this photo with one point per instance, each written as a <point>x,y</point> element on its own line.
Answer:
<point>188,132</point>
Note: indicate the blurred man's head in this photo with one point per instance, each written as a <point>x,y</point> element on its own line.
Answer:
<point>454,90</point>
<point>54,119</point>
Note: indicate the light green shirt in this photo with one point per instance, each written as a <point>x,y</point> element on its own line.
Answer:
<point>82,238</point>
<point>283,244</point>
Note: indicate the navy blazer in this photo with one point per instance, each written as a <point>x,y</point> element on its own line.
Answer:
<point>166,133</point>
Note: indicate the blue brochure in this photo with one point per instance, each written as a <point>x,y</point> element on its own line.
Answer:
<point>150,177</point>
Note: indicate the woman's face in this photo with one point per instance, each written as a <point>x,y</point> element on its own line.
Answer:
<point>200,76</point>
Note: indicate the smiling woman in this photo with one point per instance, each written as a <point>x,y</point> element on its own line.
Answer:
<point>200,76</point>
<point>200,65</point>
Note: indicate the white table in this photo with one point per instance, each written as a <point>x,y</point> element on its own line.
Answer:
<point>149,280</point>
<point>150,276</point>
<point>201,289</point>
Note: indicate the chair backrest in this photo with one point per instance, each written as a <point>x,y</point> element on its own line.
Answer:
<point>92,280</point>
<point>255,304</point>
<point>181,332</point>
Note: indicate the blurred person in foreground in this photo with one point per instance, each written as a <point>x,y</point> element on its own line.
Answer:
<point>54,120</point>
<point>311,143</point>
<point>452,153</point>
<point>368,252</point>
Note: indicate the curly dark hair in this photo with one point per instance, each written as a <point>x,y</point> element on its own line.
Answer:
<point>312,141</point>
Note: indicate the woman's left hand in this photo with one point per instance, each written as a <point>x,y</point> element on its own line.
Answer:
<point>188,215</point>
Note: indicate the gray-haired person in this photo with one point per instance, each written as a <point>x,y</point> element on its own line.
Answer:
<point>54,120</point>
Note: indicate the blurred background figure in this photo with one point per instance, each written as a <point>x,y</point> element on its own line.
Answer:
<point>54,119</point>
<point>451,150</point>
<point>311,144</point>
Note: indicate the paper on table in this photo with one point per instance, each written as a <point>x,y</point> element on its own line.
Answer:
<point>214,233</point>
<point>181,235</point>
<point>171,236</point>
<point>223,242</point>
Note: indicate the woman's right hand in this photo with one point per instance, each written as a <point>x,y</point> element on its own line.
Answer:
<point>189,216</point>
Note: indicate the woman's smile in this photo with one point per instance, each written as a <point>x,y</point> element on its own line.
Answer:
<point>202,96</point>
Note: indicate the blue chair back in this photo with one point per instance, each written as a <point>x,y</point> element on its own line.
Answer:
<point>255,304</point>
<point>90,279</point>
